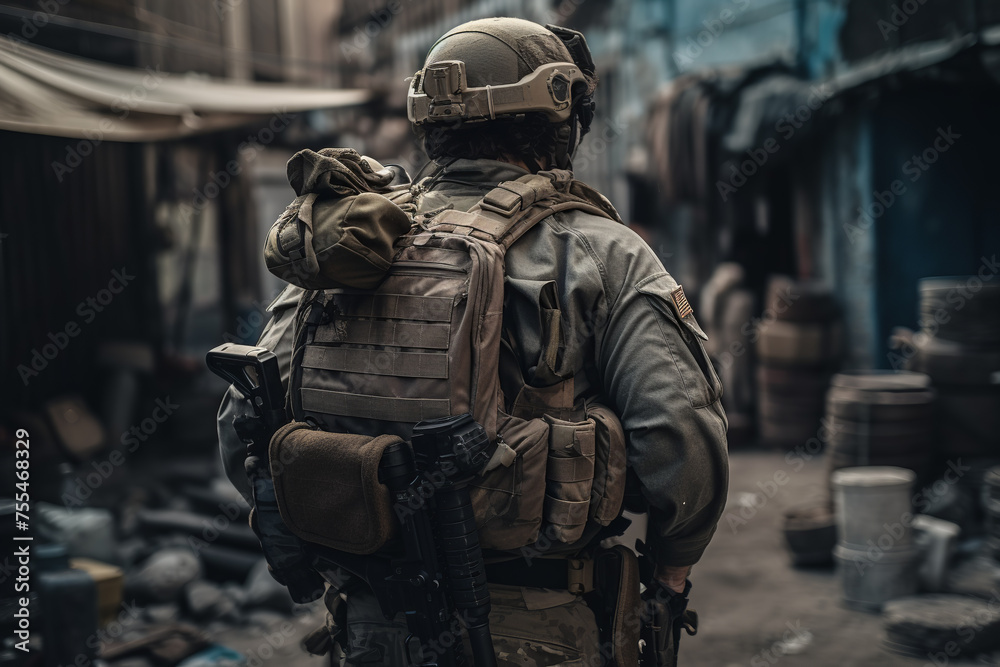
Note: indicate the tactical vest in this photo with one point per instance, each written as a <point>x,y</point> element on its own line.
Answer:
<point>427,342</point>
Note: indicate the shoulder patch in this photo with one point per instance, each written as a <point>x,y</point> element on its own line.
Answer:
<point>681,303</point>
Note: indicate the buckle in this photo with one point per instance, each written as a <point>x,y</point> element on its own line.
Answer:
<point>509,197</point>
<point>579,575</point>
<point>501,200</point>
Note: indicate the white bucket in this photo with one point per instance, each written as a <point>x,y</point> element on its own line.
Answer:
<point>935,539</point>
<point>872,577</point>
<point>873,506</point>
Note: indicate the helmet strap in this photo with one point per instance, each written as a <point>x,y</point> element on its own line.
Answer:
<point>565,140</point>
<point>533,166</point>
<point>572,132</point>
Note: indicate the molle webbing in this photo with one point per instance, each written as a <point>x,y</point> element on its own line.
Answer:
<point>376,362</point>
<point>514,207</point>
<point>490,226</point>
<point>387,332</point>
<point>396,307</point>
<point>425,342</point>
<point>408,410</point>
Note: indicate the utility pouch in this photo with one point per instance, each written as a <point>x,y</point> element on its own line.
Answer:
<point>327,489</point>
<point>569,477</point>
<point>610,465</point>
<point>617,604</point>
<point>561,477</point>
<point>507,510</point>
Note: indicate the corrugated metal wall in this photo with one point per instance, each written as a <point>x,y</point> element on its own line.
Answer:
<point>64,241</point>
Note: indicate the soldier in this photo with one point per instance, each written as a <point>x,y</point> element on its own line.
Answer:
<point>627,336</point>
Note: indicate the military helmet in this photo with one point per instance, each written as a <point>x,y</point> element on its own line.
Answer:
<point>504,68</point>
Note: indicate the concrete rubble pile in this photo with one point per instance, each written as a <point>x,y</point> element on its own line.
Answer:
<point>173,575</point>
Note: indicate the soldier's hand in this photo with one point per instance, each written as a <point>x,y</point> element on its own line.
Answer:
<point>673,578</point>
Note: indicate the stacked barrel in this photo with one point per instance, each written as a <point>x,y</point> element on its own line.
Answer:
<point>958,346</point>
<point>799,340</point>
<point>880,418</point>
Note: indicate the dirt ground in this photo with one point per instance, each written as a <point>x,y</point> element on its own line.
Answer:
<point>755,609</point>
<point>752,604</point>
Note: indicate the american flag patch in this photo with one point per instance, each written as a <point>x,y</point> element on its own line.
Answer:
<point>681,302</point>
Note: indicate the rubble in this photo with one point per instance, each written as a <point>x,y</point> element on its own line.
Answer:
<point>950,624</point>
<point>214,656</point>
<point>160,645</point>
<point>162,614</point>
<point>977,576</point>
<point>263,591</point>
<point>163,576</point>
<point>224,527</point>
<point>87,532</point>
<point>207,601</point>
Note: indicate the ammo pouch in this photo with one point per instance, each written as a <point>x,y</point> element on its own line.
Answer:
<point>327,489</point>
<point>566,476</point>
<point>340,230</point>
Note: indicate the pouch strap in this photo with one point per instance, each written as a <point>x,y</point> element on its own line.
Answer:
<point>575,575</point>
<point>293,241</point>
<point>513,207</point>
<point>617,604</point>
<point>555,400</point>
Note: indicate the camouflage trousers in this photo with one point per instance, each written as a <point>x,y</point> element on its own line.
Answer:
<point>530,626</point>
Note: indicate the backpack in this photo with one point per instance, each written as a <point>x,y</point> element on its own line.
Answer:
<point>426,342</point>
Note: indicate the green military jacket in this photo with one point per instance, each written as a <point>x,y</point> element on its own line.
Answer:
<point>625,339</point>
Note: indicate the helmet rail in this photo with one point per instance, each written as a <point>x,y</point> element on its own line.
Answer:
<point>440,92</point>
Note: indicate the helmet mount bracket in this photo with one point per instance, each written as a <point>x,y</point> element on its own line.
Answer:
<point>560,87</point>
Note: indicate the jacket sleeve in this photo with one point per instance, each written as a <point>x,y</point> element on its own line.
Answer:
<point>276,337</point>
<point>667,394</point>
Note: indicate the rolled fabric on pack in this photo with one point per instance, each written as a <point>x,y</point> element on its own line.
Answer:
<point>340,230</point>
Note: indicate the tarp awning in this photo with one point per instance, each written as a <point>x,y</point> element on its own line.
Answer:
<point>46,92</point>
